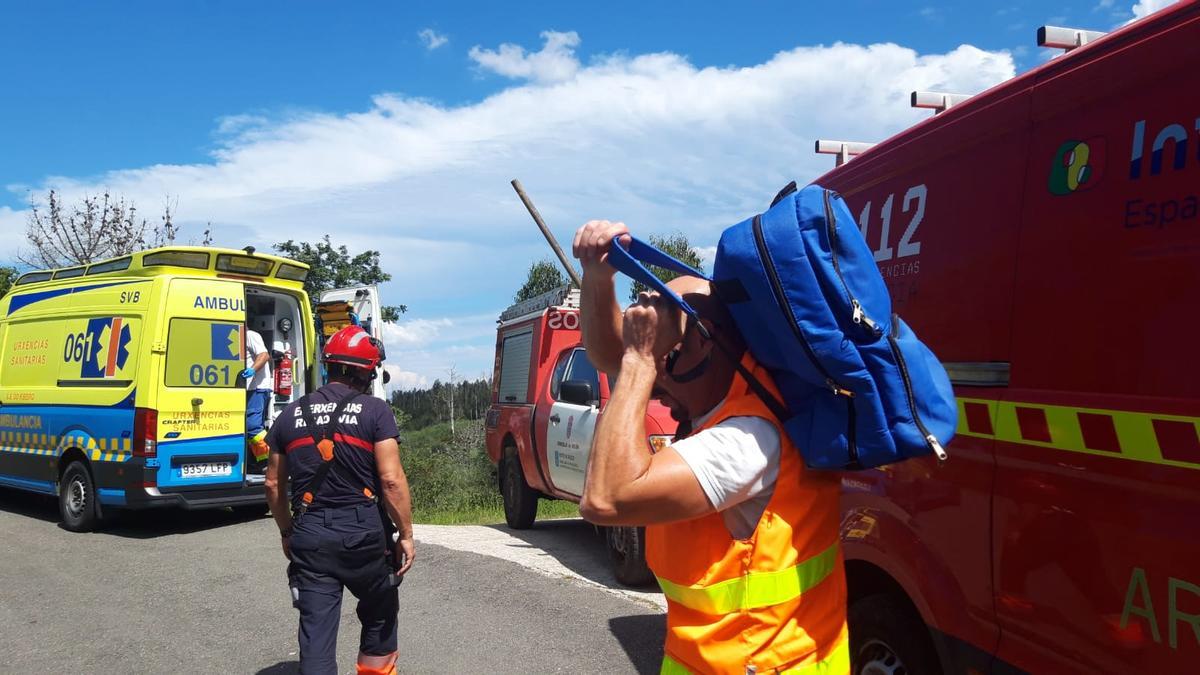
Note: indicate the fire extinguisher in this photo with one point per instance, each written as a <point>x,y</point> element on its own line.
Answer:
<point>283,376</point>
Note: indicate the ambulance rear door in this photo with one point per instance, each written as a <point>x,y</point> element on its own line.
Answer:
<point>200,348</point>
<point>364,309</point>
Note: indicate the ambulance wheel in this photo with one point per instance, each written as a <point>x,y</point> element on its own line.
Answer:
<point>520,500</point>
<point>888,637</point>
<point>627,553</point>
<point>77,499</point>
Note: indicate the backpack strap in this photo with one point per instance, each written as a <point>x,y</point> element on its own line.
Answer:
<point>323,438</point>
<point>626,261</point>
<point>783,194</point>
<point>777,408</point>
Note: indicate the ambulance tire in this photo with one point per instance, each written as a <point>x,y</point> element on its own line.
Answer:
<point>520,500</point>
<point>77,503</point>
<point>888,636</point>
<point>627,553</point>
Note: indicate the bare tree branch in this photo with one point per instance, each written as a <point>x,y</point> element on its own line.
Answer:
<point>97,227</point>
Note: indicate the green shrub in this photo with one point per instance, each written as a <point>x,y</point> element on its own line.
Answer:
<point>453,481</point>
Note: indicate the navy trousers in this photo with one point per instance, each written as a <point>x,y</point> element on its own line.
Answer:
<point>332,549</point>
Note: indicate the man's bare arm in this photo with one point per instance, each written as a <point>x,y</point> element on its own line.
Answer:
<point>601,314</point>
<point>396,497</point>
<point>277,497</point>
<point>261,360</point>
<point>625,484</point>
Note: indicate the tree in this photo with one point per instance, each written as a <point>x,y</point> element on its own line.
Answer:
<point>94,229</point>
<point>678,246</point>
<point>424,407</point>
<point>334,267</point>
<point>448,395</point>
<point>543,277</point>
<point>7,276</point>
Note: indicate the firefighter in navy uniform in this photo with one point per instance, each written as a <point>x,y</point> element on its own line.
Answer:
<point>338,447</point>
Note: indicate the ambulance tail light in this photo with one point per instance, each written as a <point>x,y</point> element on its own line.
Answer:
<point>145,432</point>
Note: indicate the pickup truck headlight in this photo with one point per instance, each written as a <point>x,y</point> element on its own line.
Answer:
<point>658,442</point>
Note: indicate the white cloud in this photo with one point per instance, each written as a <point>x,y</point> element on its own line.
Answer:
<point>708,255</point>
<point>404,379</point>
<point>650,139</point>
<point>413,333</point>
<point>555,62</point>
<point>432,39</point>
<point>12,230</point>
<point>239,125</point>
<point>1145,8</point>
<point>430,347</point>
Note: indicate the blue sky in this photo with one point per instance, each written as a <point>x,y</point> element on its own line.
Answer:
<point>397,125</point>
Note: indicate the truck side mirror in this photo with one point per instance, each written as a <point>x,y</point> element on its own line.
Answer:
<point>578,392</point>
<point>387,377</point>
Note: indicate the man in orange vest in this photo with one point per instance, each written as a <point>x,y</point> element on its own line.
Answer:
<point>743,539</point>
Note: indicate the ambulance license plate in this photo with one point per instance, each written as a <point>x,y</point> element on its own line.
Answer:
<point>205,469</point>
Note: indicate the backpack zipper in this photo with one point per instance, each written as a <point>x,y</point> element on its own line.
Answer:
<point>859,316</point>
<point>760,242</point>
<point>930,439</point>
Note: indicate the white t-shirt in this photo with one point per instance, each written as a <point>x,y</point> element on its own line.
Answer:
<point>262,379</point>
<point>737,464</point>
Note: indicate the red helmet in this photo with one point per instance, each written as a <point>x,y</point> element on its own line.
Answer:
<point>352,346</point>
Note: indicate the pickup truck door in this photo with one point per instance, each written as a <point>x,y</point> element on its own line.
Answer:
<point>368,310</point>
<point>570,426</point>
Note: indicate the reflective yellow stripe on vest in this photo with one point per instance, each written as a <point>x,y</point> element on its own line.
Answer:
<point>836,663</point>
<point>754,589</point>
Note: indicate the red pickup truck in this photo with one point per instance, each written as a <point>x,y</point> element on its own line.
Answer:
<point>546,398</point>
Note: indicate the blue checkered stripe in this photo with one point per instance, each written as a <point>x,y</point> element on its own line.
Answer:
<point>97,449</point>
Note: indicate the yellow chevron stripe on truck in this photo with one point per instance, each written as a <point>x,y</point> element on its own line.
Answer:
<point>1168,440</point>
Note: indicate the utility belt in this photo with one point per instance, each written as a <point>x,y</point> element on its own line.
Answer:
<point>335,514</point>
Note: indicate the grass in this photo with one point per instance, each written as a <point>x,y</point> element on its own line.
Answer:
<point>452,480</point>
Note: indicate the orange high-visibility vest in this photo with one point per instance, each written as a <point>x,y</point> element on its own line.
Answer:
<point>775,602</point>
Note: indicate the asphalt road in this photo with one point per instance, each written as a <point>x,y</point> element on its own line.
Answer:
<point>204,592</point>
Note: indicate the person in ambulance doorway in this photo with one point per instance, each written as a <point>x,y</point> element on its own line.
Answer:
<point>338,447</point>
<point>258,395</point>
<point>744,541</point>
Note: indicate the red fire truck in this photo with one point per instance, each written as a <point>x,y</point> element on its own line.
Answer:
<point>546,398</point>
<point>1044,238</point>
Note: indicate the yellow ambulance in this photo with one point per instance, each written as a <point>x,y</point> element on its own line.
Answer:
<point>120,381</point>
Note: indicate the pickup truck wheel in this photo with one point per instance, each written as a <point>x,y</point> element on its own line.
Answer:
<point>887,637</point>
<point>627,552</point>
<point>520,500</point>
<point>77,499</point>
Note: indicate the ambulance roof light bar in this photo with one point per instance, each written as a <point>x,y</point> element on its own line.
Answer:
<point>843,149</point>
<point>936,101</point>
<point>1066,39</point>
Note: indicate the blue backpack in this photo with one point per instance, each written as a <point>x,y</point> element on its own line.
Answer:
<point>860,390</point>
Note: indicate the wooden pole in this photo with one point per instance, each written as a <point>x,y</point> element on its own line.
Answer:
<point>537,218</point>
